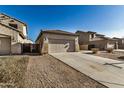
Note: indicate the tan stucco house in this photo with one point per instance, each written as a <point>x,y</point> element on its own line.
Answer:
<point>53,41</point>
<point>89,40</point>
<point>13,33</point>
<point>120,42</point>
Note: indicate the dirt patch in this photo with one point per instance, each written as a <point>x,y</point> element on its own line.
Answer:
<point>48,72</point>
<point>12,70</point>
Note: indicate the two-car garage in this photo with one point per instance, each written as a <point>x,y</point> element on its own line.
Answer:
<point>56,41</point>
<point>61,45</point>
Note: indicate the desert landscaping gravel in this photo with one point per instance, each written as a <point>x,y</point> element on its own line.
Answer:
<point>46,71</point>
<point>115,55</point>
<point>12,71</point>
<point>41,72</point>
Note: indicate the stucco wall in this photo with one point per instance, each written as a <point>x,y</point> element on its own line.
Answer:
<point>16,48</point>
<point>40,42</point>
<point>121,43</point>
<point>101,44</point>
<point>44,41</point>
<point>10,32</point>
<point>5,45</point>
<point>83,47</point>
<point>121,46</point>
<point>83,38</point>
<point>113,44</point>
<point>15,38</point>
<point>84,41</point>
<point>8,19</point>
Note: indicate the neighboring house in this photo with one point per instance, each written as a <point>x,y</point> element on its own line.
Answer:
<point>52,41</point>
<point>12,34</point>
<point>89,40</point>
<point>120,42</point>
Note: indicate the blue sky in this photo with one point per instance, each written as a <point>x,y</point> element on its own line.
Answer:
<point>108,20</point>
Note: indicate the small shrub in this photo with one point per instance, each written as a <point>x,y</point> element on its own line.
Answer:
<point>95,50</point>
<point>109,50</point>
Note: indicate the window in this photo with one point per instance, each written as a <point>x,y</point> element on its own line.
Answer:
<point>92,35</point>
<point>13,25</point>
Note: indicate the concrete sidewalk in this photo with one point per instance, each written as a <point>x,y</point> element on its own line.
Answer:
<point>119,50</point>
<point>93,66</point>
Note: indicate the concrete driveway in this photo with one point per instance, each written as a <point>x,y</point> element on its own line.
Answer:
<point>98,68</point>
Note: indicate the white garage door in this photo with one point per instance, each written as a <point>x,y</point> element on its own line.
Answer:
<point>61,45</point>
<point>5,45</point>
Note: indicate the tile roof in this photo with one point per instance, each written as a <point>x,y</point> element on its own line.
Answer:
<point>85,32</point>
<point>56,32</point>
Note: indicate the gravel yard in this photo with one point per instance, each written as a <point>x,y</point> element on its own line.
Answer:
<point>12,70</point>
<point>115,55</point>
<point>41,72</point>
<point>46,71</point>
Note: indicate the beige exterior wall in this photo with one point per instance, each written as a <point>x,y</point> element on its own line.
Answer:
<point>14,33</point>
<point>24,30</point>
<point>83,47</point>
<point>8,19</point>
<point>20,39</point>
<point>7,31</point>
<point>77,48</point>
<point>45,45</point>
<point>16,48</point>
<point>104,44</point>
<point>5,45</point>
<point>44,41</point>
<point>40,42</point>
<point>121,43</point>
<point>101,44</point>
<point>83,38</point>
<point>66,37</point>
<point>121,46</point>
<point>15,38</point>
<point>111,44</point>
<point>96,38</point>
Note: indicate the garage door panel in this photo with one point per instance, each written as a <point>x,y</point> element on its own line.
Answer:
<point>5,45</point>
<point>61,45</point>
